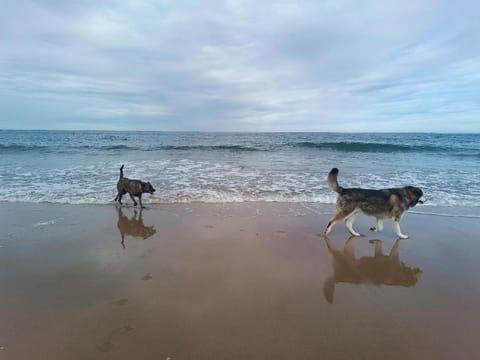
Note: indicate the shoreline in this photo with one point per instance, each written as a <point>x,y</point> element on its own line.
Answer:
<point>236,280</point>
<point>433,210</point>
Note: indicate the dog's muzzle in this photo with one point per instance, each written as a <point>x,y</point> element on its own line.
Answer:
<point>422,200</point>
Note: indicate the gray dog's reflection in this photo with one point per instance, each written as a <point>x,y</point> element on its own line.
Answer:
<point>378,269</point>
<point>134,226</point>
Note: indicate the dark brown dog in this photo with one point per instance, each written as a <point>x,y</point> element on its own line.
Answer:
<point>133,188</point>
<point>382,203</point>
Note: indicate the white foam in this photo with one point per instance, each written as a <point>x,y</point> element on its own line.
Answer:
<point>188,180</point>
<point>46,223</point>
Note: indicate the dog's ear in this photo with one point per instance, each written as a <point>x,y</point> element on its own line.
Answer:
<point>418,193</point>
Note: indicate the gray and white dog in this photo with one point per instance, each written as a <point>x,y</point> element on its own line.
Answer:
<point>133,188</point>
<point>390,203</point>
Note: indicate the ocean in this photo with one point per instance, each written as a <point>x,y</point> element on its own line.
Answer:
<point>82,167</point>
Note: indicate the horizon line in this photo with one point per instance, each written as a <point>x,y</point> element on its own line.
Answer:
<point>251,132</point>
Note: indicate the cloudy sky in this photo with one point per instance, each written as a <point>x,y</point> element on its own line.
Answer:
<point>236,65</point>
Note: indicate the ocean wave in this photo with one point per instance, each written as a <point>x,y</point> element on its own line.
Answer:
<point>180,179</point>
<point>467,155</point>
<point>193,193</point>
<point>341,146</point>
<point>206,147</point>
<point>345,146</point>
<point>207,198</point>
<point>222,147</point>
<point>17,148</point>
<point>12,148</point>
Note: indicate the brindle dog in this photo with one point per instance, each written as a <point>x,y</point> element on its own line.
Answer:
<point>133,188</point>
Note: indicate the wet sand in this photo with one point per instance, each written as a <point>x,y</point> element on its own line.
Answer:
<point>234,281</point>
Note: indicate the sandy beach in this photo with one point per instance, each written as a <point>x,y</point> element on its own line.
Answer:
<point>233,281</point>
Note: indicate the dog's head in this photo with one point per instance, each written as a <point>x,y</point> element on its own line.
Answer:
<point>413,195</point>
<point>147,188</point>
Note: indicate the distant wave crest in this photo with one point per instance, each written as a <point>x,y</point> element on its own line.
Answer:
<point>341,146</point>
<point>11,148</point>
<point>206,147</point>
<point>365,147</point>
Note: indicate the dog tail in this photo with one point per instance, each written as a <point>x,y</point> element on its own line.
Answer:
<point>332,181</point>
<point>121,172</point>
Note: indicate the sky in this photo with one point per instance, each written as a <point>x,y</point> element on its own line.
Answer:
<point>346,66</point>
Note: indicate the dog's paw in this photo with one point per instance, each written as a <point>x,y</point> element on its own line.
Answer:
<point>373,228</point>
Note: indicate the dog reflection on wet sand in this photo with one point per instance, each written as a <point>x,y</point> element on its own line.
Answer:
<point>378,269</point>
<point>133,227</point>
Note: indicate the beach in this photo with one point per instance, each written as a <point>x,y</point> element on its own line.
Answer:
<point>179,180</point>
<point>250,280</point>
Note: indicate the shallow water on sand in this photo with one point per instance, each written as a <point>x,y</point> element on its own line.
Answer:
<point>236,281</point>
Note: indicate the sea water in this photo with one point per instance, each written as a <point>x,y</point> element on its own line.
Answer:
<point>82,167</point>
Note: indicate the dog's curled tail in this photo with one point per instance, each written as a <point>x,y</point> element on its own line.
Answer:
<point>332,181</point>
<point>121,172</point>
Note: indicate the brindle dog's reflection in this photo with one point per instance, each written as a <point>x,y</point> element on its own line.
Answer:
<point>378,269</point>
<point>134,226</point>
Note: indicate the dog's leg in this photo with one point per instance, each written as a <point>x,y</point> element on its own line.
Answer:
<point>396,228</point>
<point>349,223</point>
<point>140,201</point>
<point>133,199</point>
<point>379,226</point>
<point>120,193</point>
<point>338,217</point>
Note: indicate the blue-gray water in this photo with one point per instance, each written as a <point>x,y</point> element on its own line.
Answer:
<point>81,167</point>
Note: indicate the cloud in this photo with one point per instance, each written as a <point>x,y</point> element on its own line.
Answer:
<point>240,65</point>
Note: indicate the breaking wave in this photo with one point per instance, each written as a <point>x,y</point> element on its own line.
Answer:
<point>368,147</point>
